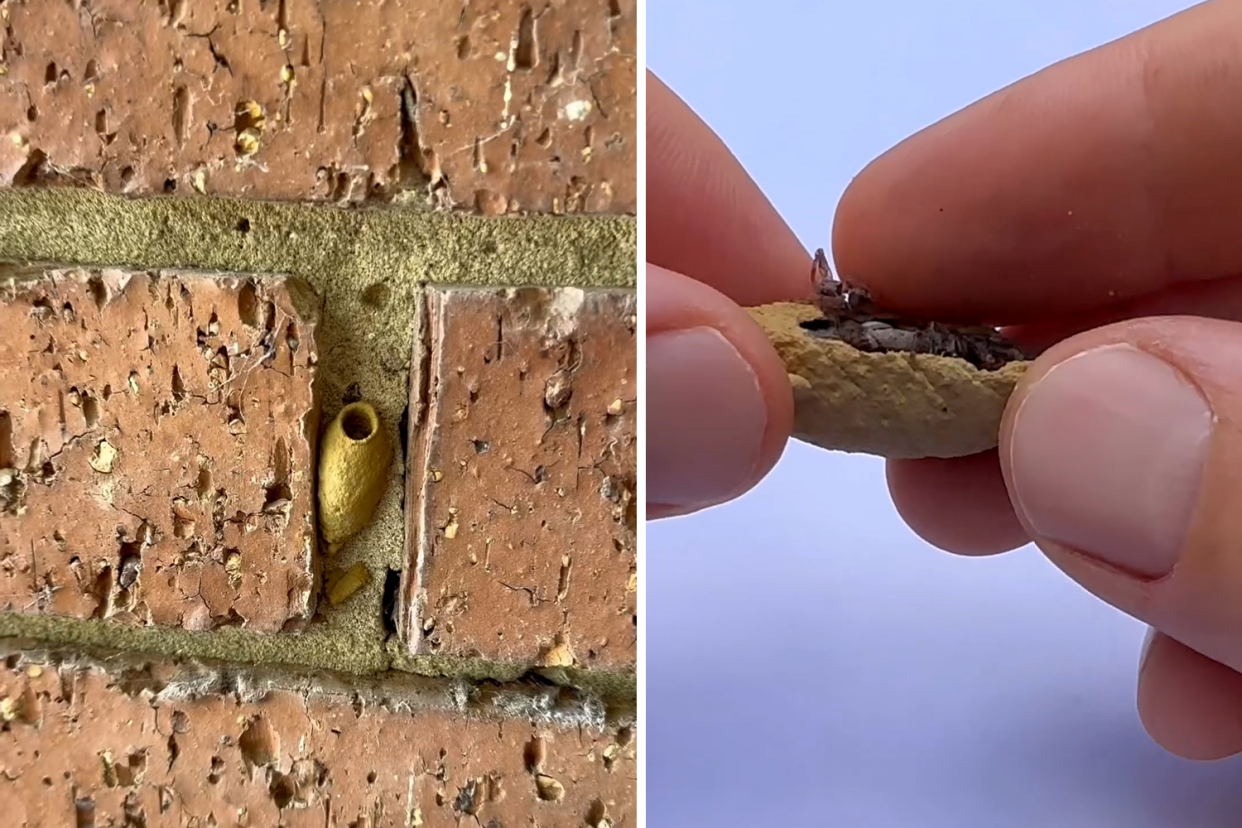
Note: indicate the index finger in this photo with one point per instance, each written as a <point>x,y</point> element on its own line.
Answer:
<point>1105,177</point>
<point>707,218</point>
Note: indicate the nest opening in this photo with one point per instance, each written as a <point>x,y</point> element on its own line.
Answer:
<point>358,423</point>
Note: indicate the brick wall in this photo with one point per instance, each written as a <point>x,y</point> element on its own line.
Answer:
<point>220,224</point>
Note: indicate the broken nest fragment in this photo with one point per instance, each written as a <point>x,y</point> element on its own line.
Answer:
<point>893,404</point>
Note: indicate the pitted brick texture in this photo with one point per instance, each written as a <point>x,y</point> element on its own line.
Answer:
<point>157,437</point>
<point>496,106</point>
<point>82,747</point>
<point>521,499</point>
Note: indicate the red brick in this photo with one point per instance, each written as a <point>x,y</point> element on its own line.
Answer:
<point>521,478</point>
<point>157,465</point>
<point>182,746</point>
<point>492,105</point>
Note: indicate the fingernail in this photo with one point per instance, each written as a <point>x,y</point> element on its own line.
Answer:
<point>1107,456</point>
<point>1148,640</point>
<point>705,418</point>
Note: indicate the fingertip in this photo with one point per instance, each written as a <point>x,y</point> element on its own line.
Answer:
<point>1121,448</point>
<point>901,195</point>
<point>1189,704</point>
<point>959,505</point>
<point>1099,179</point>
<point>850,237</point>
<point>707,218</point>
<point>720,408</point>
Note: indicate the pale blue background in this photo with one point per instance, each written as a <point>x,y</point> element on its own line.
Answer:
<point>810,662</point>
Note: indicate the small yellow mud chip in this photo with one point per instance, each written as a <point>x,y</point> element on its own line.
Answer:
<point>103,458</point>
<point>343,583</point>
<point>548,788</point>
<point>247,143</point>
<point>558,655</point>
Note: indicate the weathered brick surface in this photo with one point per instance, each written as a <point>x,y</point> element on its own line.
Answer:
<point>522,469</point>
<point>495,106</point>
<point>158,429</point>
<point>80,746</point>
<point>157,437</point>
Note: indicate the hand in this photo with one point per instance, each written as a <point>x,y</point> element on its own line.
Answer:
<point>1103,189</point>
<point>719,405</point>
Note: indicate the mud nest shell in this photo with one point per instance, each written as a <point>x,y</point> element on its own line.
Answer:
<point>895,405</point>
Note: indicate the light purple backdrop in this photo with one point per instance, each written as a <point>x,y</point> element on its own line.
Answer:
<point>810,662</point>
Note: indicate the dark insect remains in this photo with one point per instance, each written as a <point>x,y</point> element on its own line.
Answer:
<point>850,315</point>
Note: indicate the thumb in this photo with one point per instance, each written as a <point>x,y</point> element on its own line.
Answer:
<point>1122,452</point>
<point>719,405</point>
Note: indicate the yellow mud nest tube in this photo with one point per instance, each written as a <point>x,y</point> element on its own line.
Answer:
<point>353,472</point>
<point>895,405</point>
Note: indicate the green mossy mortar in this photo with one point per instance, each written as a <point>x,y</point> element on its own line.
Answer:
<point>361,247</point>
<point>524,697</point>
<point>369,264</point>
<point>325,648</point>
